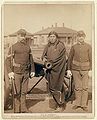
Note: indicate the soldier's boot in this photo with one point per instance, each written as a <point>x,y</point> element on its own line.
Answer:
<point>84,100</point>
<point>78,95</point>
<point>16,104</point>
<point>23,104</point>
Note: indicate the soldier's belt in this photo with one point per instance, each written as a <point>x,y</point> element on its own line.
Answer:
<point>16,64</point>
<point>81,63</point>
<point>20,65</point>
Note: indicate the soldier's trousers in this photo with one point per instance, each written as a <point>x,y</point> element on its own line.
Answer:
<point>20,91</point>
<point>81,80</point>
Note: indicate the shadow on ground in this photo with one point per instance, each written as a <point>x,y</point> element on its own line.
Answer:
<point>38,91</point>
<point>33,101</point>
<point>72,98</point>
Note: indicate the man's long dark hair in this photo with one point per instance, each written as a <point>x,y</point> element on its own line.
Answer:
<point>53,32</point>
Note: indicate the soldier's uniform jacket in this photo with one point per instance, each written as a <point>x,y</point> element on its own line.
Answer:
<point>20,59</point>
<point>80,57</point>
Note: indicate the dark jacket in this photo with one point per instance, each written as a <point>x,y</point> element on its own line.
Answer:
<point>55,53</point>
<point>80,57</point>
<point>19,58</point>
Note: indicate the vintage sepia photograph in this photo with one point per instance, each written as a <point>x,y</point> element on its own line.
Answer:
<point>48,60</point>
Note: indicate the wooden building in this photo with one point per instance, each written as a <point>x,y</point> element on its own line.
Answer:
<point>12,38</point>
<point>66,35</point>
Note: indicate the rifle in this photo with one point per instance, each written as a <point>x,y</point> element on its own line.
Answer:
<point>10,101</point>
<point>12,80</point>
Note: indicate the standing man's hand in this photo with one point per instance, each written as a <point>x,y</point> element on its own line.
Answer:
<point>32,74</point>
<point>44,60</point>
<point>11,75</point>
<point>69,73</point>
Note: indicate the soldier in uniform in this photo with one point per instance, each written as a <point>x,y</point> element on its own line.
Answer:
<point>55,53</point>
<point>20,66</point>
<point>80,65</point>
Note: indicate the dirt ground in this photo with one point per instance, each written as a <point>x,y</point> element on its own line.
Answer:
<point>38,100</point>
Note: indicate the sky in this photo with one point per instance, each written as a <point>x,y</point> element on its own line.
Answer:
<point>33,17</point>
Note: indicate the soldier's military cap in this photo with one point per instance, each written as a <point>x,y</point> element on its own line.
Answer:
<point>21,32</point>
<point>81,33</point>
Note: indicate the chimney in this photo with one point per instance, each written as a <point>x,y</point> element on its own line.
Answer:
<point>52,26</point>
<point>63,24</point>
<point>55,24</point>
<point>42,27</point>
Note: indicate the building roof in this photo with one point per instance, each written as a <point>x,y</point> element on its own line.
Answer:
<point>15,34</point>
<point>59,30</point>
